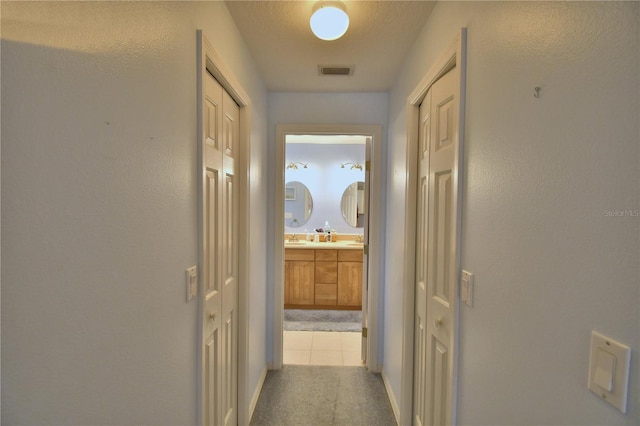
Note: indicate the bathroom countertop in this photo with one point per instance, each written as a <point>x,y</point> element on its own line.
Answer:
<point>347,245</point>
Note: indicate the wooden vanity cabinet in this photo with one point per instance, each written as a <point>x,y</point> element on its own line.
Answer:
<point>323,279</point>
<point>299,277</point>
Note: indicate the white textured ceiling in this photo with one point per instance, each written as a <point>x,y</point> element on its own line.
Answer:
<point>288,54</point>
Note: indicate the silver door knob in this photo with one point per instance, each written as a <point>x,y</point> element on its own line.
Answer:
<point>438,322</point>
<point>212,316</point>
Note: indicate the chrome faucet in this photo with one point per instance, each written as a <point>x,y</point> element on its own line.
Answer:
<point>293,238</point>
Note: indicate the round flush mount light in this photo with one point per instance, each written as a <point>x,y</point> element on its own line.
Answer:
<point>329,20</point>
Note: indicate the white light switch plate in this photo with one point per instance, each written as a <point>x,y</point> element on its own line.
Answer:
<point>466,288</point>
<point>609,370</point>
<point>192,282</point>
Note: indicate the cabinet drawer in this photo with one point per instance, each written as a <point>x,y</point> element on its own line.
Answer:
<point>298,254</point>
<point>326,294</point>
<point>326,255</point>
<point>350,255</point>
<point>326,272</point>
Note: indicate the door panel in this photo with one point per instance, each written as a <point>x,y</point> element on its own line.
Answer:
<point>230,136</point>
<point>211,382</point>
<point>439,384</point>
<point>420,356</point>
<point>436,253</point>
<point>211,268</point>
<point>442,236</point>
<point>220,248</point>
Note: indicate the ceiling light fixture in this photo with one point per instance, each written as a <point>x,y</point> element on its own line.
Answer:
<point>294,165</point>
<point>353,166</point>
<point>329,20</point>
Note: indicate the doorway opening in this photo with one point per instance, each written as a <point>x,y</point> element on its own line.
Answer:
<point>326,269</point>
<point>325,213</point>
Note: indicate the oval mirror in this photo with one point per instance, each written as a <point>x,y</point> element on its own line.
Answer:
<point>352,204</point>
<point>298,204</point>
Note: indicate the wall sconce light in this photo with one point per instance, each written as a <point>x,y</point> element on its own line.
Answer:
<point>353,166</point>
<point>329,20</point>
<point>294,165</point>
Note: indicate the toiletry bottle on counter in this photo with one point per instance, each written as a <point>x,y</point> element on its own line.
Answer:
<point>327,231</point>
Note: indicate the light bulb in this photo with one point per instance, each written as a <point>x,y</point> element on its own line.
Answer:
<point>329,20</point>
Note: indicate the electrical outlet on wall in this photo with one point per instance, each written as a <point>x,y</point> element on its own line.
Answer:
<point>192,282</point>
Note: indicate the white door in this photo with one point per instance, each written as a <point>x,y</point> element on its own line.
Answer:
<point>220,253</point>
<point>437,231</point>
<point>365,259</point>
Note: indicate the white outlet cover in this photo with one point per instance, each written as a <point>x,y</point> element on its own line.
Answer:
<point>605,371</point>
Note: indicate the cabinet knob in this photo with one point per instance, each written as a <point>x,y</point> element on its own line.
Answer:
<point>212,316</point>
<point>438,322</point>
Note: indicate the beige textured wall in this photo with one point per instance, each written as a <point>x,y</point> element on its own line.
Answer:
<point>99,199</point>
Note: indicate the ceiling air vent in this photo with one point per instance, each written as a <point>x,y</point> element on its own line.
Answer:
<point>335,70</point>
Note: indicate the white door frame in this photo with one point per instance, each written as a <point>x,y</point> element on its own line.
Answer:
<point>209,60</point>
<point>375,256</point>
<point>454,55</point>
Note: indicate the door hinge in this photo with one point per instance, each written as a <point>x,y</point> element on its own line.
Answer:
<point>364,331</point>
<point>367,165</point>
<point>366,249</point>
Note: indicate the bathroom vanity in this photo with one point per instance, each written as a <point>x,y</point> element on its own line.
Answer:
<point>323,275</point>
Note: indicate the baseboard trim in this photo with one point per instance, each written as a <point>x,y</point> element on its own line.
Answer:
<point>392,398</point>
<point>256,394</point>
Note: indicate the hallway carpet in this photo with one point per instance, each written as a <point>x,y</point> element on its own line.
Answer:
<point>300,395</point>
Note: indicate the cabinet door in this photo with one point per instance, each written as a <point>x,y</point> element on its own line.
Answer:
<point>300,279</point>
<point>350,283</point>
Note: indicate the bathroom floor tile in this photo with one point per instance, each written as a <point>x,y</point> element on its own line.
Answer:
<point>295,356</point>
<point>326,358</point>
<point>322,348</point>
<point>326,341</point>
<point>297,340</point>
<point>351,358</point>
<point>351,341</point>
